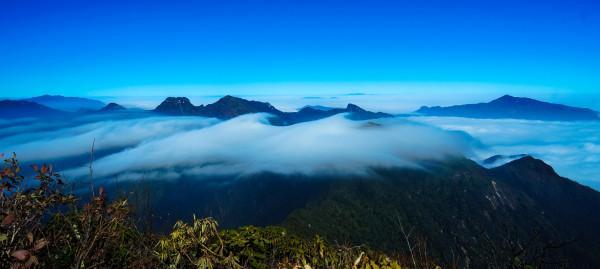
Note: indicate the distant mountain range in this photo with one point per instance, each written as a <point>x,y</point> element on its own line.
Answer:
<point>34,107</point>
<point>11,109</point>
<point>229,107</point>
<point>510,107</point>
<point>505,107</point>
<point>225,108</point>
<point>317,107</point>
<point>468,216</point>
<point>69,104</point>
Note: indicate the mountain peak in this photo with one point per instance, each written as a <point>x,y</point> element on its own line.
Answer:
<point>318,107</point>
<point>509,100</point>
<point>506,97</point>
<point>177,100</point>
<point>177,106</point>
<point>230,106</point>
<point>529,164</point>
<point>511,107</point>
<point>498,159</point>
<point>112,107</point>
<point>354,108</point>
<point>228,99</point>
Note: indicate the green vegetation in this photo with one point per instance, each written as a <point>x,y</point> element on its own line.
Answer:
<point>43,227</point>
<point>451,212</point>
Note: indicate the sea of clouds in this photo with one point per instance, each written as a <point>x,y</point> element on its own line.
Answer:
<point>572,148</point>
<point>149,146</point>
<point>171,147</point>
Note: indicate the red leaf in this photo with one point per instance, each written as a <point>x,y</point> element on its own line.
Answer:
<point>8,220</point>
<point>21,255</point>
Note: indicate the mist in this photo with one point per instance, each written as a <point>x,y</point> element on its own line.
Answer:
<point>46,141</point>
<point>172,147</point>
<point>572,148</point>
<point>136,146</point>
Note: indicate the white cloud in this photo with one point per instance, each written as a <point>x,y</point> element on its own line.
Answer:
<point>248,144</point>
<point>572,148</point>
<point>175,146</point>
<point>47,144</point>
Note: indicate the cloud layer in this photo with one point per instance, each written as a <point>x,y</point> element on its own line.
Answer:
<point>249,144</point>
<point>170,147</point>
<point>146,146</point>
<point>46,141</point>
<point>572,148</point>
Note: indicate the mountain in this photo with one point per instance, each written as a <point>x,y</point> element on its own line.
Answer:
<point>225,108</point>
<point>357,113</point>
<point>309,113</point>
<point>10,109</point>
<point>510,107</point>
<point>71,104</point>
<point>318,107</point>
<point>571,208</point>
<point>498,160</point>
<point>229,107</point>
<point>112,107</point>
<point>180,106</point>
<point>520,210</point>
<point>462,214</point>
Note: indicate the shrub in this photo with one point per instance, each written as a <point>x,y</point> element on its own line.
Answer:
<point>23,205</point>
<point>43,227</point>
<point>201,245</point>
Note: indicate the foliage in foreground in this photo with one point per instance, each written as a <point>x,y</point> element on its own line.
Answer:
<point>42,227</point>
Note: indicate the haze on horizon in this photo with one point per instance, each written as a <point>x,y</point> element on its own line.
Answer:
<point>539,49</point>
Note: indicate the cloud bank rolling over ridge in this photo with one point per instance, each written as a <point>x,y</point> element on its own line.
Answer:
<point>195,146</point>
<point>107,133</point>
<point>145,146</point>
<point>248,144</point>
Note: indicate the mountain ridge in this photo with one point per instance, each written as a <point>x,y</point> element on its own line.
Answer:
<point>461,210</point>
<point>229,107</point>
<point>25,109</point>
<point>512,107</point>
<point>66,103</point>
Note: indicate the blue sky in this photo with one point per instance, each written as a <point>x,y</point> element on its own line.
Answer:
<point>92,48</point>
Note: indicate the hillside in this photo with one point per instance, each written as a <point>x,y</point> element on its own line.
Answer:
<point>457,211</point>
<point>465,211</point>
<point>44,226</point>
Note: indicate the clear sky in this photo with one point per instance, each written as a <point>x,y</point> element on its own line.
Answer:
<point>88,47</point>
